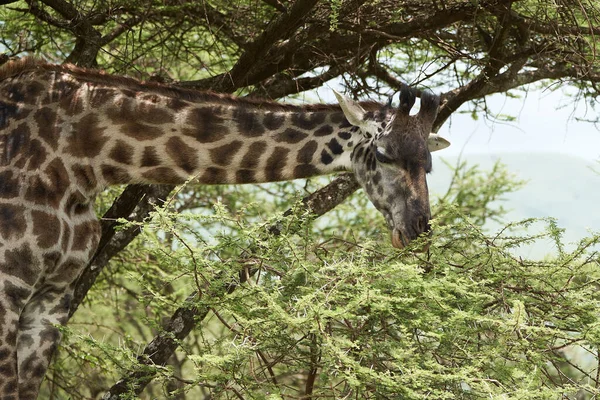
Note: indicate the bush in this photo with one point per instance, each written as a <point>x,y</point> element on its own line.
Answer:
<point>331,310</point>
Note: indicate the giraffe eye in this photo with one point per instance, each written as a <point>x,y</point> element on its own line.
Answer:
<point>381,156</point>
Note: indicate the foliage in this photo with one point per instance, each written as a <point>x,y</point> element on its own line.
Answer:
<point>325,308</point>
<point>273,48</point>
<point>342,317</point>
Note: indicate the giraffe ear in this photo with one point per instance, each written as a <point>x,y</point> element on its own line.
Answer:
<point>353,112</point>
<point>436,142</point>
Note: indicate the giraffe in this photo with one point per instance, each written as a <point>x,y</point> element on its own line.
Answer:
<point>66,133</point>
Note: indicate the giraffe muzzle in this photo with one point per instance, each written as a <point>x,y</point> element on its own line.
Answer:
<point>400,240</point>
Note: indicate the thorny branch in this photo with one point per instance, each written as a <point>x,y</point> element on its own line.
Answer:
<point>135,203</point>
<point>186,318</point>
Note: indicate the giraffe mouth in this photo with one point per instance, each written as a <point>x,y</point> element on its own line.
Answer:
<point>399,241</point>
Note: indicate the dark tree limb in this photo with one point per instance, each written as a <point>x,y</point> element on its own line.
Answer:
<point>283,85</point>
<point>88,42</point>
<point>187,317</point>
<point>554,28</point>
<point>135,204</point>
<point>121,28</point>
<point>350,41</point>
<point>279,29</point>
<point>45,17</point>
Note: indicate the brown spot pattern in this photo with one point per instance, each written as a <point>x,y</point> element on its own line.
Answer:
<point>253,155</point>
<point>326,157</point>
<point>140,131</point>
<point>305,171</point>
<point>85,177</point>
<point>305,155</point>
<point>12,221</point>
<point>72,266</point>
<point>214,176</point>
<point>37,155</point>
<point>88,139</point>
<point>162,175</point>
<point>9,185</point>
<point>46,227</point>
<point>273,121</point>
<point>67,232</point>
<point>344,135</point>
<point>120,111</point>
<point>149,157</point>
<point>8,111</point>
<point>82,234</point>
<point>245,176</point>
<point>60,89</point>
<point>308,121</point>
<point>15,142</point>
<point>115,175</point>
<point>291,136</point>
<point>222,155</point>
<point>99,96</point>
<point>337,118</point>
<point>16,295</point>
<point>27,92</point>
<point>335,146</point>
<point>208,126</point>
<point>122,152</point>
<point>184,156</point>
<point>77,203</point>
<point>324,130</point>
<point>276,163</point>
<point>175,105</point>
<point>72,104</point>
<point>152,114</point>
<point>48,124</point>
<point>248,123</point>
<point>51,189</point>
<point>22,264</point>
<point>51,259</point>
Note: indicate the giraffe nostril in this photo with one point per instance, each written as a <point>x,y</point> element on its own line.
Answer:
<point>423,225</point>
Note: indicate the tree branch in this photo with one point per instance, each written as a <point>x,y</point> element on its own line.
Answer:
<point>279,29</point>
<point>185,318</point>
<point>42,15</point>
<point>87,44</point>
<point>135,204</point>
<point>554,28</point>
<point>282,85</point>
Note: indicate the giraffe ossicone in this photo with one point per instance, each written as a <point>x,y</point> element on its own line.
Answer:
<point>67,133</point>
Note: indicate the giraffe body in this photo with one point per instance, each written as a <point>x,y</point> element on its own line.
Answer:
<point>68,133</point>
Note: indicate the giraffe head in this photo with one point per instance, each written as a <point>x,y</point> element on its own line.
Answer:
<point>393,157</point>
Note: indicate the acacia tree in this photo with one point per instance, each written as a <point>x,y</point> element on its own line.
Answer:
<point>277,48</point>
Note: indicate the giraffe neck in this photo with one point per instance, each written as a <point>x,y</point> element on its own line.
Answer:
<point>218,142</point>
<point>117,131</point>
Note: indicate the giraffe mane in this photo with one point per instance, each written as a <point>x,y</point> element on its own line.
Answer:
<point>32,64</point>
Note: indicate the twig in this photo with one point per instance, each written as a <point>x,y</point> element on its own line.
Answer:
<point>158,351</point>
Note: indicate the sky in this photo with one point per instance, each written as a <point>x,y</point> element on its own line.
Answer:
<point>545,122</point>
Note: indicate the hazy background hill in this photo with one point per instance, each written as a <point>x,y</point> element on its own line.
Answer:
<point>561,186</point>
